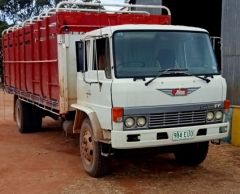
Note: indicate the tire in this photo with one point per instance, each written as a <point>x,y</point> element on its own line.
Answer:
<point>28,117</point>
<point>22,114</point>
<point>191,154</point>
<point>36,119</point>
<point>93,162</point>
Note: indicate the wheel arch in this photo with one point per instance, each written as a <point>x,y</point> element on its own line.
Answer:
<point>83,112</point>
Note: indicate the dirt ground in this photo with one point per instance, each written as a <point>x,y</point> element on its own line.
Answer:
<point>49,162</point>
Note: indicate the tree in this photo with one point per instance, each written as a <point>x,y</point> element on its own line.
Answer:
<point>20,10</point>
<point>17,11</point>
<point>3,26</point>
<point>79,6</point>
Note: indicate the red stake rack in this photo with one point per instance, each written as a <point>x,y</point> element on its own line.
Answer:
<point>31,48</point>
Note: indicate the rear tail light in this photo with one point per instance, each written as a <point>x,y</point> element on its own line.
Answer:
<point>117,114</point>
<point>227,104</point>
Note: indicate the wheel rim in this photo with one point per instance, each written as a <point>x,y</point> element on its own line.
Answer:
<point>87,147</point>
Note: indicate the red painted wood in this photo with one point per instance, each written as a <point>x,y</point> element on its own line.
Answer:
<point>38,42</point>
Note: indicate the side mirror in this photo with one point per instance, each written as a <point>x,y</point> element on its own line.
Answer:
<point>80,52</point>
<point>216,44</point>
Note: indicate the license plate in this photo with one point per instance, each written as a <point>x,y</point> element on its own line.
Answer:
<point>182,135</point>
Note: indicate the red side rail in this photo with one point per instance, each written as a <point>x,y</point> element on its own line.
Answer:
<point>84,22</point>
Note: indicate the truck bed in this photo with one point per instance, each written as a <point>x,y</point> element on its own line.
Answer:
<point>32,52</point>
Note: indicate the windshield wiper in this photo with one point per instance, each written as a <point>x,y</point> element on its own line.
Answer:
<point>167,72</point>
<point>177,72</point>
<point>205,78</point>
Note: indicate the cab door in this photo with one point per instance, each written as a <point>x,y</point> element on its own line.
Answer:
<point>95,79</point>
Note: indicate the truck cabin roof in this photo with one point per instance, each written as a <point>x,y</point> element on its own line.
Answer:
<point>108,31</point>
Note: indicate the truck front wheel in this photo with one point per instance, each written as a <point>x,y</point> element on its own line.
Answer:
<point>93,162</point>
<point>191,154</point>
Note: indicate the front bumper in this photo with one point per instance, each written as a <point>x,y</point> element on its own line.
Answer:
<point>149,138</point>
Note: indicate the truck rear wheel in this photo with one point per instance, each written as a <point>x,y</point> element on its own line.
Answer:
<point>93,162</point>
<point>22,114</point>
<point>28,118</point>
<point>191,154</point>
<point>36,118</point>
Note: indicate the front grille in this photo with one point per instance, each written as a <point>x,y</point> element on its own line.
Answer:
<point>174,119</point>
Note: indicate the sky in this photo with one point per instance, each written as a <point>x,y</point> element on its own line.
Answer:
<point>113,1</point>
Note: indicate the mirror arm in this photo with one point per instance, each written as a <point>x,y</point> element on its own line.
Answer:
<point>89,82</point>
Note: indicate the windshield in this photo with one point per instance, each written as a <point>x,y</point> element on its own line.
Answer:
<point>145,53</point>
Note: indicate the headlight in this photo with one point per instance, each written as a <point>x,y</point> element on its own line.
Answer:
<point>141,121</point>
<point>210,116</point>
<point>219,115</point>
<point>129,122</point>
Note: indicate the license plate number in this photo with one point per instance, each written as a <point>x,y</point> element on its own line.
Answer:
<point>182,135</point>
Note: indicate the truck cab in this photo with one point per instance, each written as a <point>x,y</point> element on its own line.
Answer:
<point>151,86</point>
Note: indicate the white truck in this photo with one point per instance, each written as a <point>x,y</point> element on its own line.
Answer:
<point>135,85</point>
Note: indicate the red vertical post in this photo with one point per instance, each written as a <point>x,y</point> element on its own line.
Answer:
<point>15,52</point>
<point>28,57</point>
<point>36,57</point>
<point>52,54</point>
<point>20,58</point>
<point>32,56</point>
<point>44,65</point>
<point>25,59</point>
<point>47,57</point>
<point>11,57</point>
